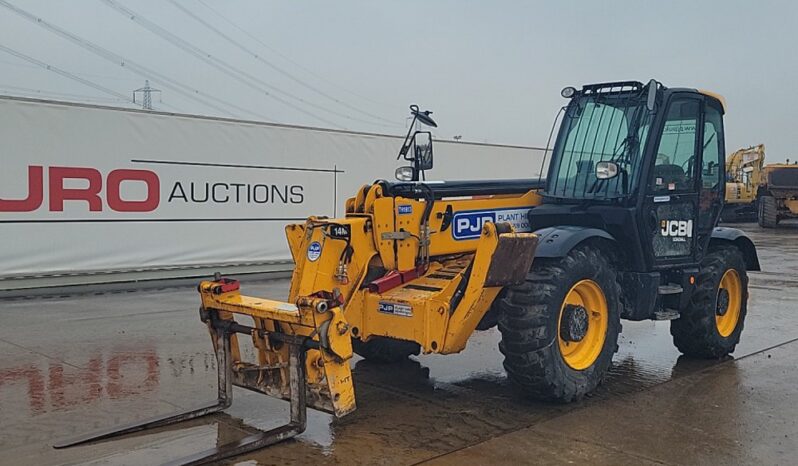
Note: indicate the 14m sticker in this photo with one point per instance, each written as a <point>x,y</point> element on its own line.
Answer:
<point>468,224</point>
<point>397,309</point>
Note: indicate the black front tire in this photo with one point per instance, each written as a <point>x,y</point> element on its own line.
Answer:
<point>695,333</point>
<point>385,350</point>
<point>529,324</point>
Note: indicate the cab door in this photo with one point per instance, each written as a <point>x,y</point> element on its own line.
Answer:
<point>712,184</point>
<point>671,203</point>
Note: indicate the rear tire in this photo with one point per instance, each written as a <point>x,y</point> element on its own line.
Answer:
<point>533,342</point>
<point>385,350</point>
<point>703,330</point>
<point>768,212</point>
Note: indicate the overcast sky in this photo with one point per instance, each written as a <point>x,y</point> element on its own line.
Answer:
<point>490,71</point>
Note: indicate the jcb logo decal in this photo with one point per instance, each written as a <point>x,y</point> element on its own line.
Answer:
<point>677,229</point>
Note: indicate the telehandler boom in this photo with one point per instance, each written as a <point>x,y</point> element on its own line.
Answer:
<point>624,226</point>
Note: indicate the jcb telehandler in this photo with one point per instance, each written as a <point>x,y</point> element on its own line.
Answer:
<point>622,227</point>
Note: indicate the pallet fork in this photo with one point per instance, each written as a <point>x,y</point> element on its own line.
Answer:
<point>283,336</point>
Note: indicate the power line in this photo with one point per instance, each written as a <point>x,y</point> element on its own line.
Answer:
<point>88,75</point>
<point>141,70</point>
<point>287,58</point>
<point>255,55</point>
<point>40,64</point>
<point>245,78</point>
<point>66,74</point>
<point>28,92</point>
<point>230,70</point>
<point>58,95</point>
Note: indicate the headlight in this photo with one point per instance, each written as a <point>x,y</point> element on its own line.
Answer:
<point>568,92</point>
<point>404,173</point>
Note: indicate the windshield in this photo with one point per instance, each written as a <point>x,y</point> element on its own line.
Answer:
<point>599,127</point>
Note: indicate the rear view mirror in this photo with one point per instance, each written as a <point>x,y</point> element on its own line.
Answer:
<point>606,170</point>
<point>422,150</point>
<point>651,99</point>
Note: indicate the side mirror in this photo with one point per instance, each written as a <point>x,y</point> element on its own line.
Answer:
<point>422,150</point>
<point>405,174</point>
<point>651,101</point>
<point>606,170</point>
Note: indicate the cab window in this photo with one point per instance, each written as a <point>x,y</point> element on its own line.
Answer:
<point>674,168</point>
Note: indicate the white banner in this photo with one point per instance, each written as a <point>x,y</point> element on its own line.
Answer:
<point>86,189</point>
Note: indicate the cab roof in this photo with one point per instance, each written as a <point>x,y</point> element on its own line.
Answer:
<point>714,95</point>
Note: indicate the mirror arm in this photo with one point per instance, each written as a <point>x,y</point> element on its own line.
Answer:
<point>406,143</point>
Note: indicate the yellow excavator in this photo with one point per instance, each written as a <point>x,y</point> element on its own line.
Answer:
<point>755,191</point>
<point>743,179</point>
<point>623,226</point>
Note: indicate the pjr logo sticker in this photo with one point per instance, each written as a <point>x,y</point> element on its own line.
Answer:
<point>397,309</point>
<point>678,230</point>
<point>468,224</point>
<point>314,251</point>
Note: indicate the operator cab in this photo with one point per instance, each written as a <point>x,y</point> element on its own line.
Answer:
<point>642,162</point>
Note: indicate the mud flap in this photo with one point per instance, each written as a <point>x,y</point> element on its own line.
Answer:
<point>512,259</point>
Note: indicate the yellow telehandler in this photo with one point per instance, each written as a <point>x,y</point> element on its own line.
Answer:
<point>624,226</point>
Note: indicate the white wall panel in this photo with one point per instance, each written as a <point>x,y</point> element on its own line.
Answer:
<point>257,176</point>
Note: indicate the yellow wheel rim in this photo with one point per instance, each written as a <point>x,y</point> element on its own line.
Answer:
<point>728,303</point>
<point>580,355</point>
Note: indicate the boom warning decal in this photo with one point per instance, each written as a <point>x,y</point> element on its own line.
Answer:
<point>468,224</point>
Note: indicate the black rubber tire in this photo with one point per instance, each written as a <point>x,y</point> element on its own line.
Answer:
<point>768,212</point>
<point>695,333</point>
<point>529,320</point>
<point>385,350</point>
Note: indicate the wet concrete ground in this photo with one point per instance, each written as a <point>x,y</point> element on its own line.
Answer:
<point>69,365</point>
